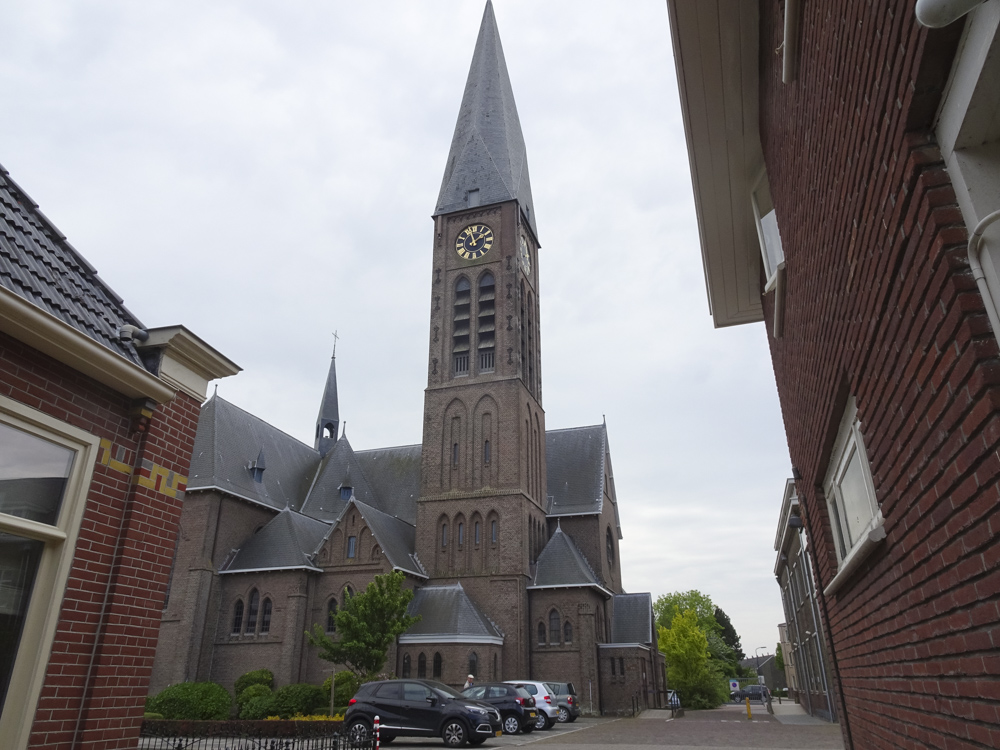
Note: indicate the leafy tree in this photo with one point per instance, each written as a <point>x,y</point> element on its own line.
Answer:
<point>668,606</point>
<point>367,625</point>
<point>729,634</point>
<point>779,658</point>
<point>689,669</point>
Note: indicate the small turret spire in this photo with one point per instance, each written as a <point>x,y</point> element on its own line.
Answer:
<point>328,421</point>
<point>487,162</point>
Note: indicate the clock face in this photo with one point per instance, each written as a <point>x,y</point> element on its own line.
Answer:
<point>474,241</point>
<point>525,256</point>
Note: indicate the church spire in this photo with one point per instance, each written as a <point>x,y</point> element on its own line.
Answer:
<point>487,162</point>
<point>328,421</point>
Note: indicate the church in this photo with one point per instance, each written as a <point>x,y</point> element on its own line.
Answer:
<point>507,532</point>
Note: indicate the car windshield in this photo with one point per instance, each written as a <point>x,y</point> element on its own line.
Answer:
<point>445,690</point>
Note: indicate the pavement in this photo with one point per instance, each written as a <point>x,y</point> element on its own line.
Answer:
<point>725,728</point>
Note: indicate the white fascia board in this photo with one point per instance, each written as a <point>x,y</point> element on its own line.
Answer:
<point>597,586</point>
<point>643,646</point>
<point>409,572</point>
<point>30,324</point>
<point>487,639</point>
<point>271,570</point>
<point>237,495</point>
<point>575,515</point>
<point>715,53</point>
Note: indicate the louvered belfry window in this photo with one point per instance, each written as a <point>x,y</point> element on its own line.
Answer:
<point>460,327</point>
<point>486,323</point>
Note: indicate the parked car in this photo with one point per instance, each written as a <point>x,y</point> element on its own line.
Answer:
<point>516,706</point>
<point>419,708</point>
<point>564,695</point>
<point>673,700</point>
<point>753,692</point>
<point>545,704</point>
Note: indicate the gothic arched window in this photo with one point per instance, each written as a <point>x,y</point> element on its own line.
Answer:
<point>331,616</point>
<point>238,617</point>
<point>553,627</point>
<point>486,323</point>
<point>265,617</point>
<point>251,626</point>
<point>567,632</point>
<point>541,634</point>
<point>421,666</point>
<point>611,547</point>
<point>474,664</point>
<point>437,666</point>
<point>460,327</point>
<point>406,665</point>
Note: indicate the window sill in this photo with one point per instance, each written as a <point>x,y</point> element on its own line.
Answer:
<point>869,541</point>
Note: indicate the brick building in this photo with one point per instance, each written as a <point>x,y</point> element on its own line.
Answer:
<point>509,532</point>
<point>97,421</point>
<point>842,155</point>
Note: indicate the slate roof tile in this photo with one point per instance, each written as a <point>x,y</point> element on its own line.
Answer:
<point>447,613</point>
<point>563,564</point>
<point>575,470</point>
<point>289,540</point>
<point>632,618</point>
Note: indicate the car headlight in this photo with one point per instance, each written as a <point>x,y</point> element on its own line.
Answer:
<point>478,710</point>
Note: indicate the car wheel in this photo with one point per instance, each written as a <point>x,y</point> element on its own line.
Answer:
<point>454,733</point>
<point>563,715</point>
<point>543,721</point>
<point>511,724</point>
<point>359,733</point>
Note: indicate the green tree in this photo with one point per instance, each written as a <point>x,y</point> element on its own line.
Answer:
<point>668,606</point>
<point>367,625</point>
<point>690,671</point>
<point>729,634</point>
<point>779,658</point>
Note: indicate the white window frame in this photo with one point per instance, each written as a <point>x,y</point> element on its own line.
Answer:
<point>42,616</point>
<point>969,138</point>
<point>850,441</point>
<point>768,234</point>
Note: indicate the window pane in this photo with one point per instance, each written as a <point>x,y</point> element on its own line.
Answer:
<point>772,241</point>
<point>33,475</point>
<point>854,490</point>
<point>19,559</point>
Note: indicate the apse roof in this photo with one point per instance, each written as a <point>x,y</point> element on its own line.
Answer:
<point>487,150</point>
<point>448,615</point>
<point>289,540</point>
<point>38,264</point>
<point>562,564</point>
<point>632,618</point>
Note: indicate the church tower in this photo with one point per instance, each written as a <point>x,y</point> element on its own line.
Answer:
<point>481,514</point>
<point>328,420</point>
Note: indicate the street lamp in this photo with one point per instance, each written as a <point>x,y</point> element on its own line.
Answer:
<point>757,656</point>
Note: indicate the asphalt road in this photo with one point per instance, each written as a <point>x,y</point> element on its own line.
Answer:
<point>726,727</point>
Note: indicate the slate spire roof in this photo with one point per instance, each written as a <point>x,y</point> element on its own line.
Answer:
<point>487,151</point>
<point>329,412</point>
<point>562,565</point>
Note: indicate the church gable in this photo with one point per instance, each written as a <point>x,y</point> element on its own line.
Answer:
<point>288,541</point>
<point>563,565</point>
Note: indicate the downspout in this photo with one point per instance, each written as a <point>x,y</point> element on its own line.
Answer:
<point>977,270</point>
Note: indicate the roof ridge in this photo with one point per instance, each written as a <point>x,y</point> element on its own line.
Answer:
<point>264,422</point>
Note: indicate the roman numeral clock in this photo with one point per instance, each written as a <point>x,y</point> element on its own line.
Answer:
<point>474,241</point>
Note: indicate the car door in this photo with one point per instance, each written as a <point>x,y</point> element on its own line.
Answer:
<point>385,703</point>
<point>420,710</point>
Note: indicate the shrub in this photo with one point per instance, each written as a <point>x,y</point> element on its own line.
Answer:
<point>253,691</point>
<point>192,700</point>
<point>345,685</point>
<point>258,708</point>
<point>256,677</point>
<point>298,699</point>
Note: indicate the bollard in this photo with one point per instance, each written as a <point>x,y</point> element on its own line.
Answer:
<point>377,739</point>
<point>749,715</point>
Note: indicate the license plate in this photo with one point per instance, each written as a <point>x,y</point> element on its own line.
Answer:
<point>531,714</point>
<point>499,733</point>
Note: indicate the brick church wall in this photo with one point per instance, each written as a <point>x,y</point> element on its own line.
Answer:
<point>881,305</point>
<point>101,661</point>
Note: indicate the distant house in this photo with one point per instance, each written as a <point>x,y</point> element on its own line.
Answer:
<point>845,167</point>
<point>97,421</point>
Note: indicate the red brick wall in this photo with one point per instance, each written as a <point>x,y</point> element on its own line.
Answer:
<point>106,636</point>
<point>881,305</point>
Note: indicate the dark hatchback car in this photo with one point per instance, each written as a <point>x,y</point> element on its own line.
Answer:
<point>419,708</point>
<point>564,696</point>
<point>516,706</point>
<point>753,692</point>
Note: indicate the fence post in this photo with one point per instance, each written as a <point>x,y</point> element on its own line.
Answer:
<point>377,737</point>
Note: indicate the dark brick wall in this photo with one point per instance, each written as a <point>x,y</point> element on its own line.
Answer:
<point>881,305</point>
<point>102,656</point>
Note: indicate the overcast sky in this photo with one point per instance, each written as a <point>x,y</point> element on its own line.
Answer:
<point>264,174</point>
